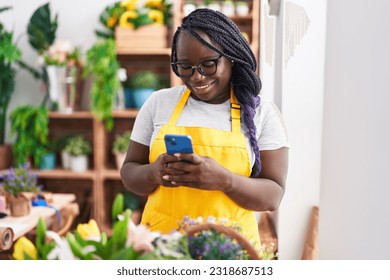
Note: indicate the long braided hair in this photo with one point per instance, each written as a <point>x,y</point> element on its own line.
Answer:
<point>245,82</point>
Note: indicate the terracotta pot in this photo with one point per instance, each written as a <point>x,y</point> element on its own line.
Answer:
<point>19,205</point>
<point>5,156</point>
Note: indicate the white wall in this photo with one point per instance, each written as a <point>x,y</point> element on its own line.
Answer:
<point>77,21</point>
<point>355,188</point>
<point>296,78</point>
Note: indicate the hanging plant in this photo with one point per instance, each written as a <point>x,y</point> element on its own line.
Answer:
<point>102,65</point>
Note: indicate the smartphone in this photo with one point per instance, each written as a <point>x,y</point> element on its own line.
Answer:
<point>178,144</point>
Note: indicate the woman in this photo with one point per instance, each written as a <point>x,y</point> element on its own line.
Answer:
<point>239,164</point>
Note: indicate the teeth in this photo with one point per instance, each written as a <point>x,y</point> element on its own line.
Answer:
<point>202,87</point>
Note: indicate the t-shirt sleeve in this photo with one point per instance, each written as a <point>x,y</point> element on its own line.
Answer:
<point>143,124</point>
<point>273,133</point>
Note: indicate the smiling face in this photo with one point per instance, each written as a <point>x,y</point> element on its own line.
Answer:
<point>214,88</point>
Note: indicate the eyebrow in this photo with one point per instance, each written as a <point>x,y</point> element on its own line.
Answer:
<point>204,60</point>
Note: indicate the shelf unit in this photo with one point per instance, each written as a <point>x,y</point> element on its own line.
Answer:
<point>93,188</point>
<point>96,188</point>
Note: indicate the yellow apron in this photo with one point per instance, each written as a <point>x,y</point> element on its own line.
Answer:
<point>166,206</point>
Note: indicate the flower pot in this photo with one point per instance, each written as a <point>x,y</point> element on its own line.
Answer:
<point>65,159</point>
<point>5,156</point>
<point>129,100</point>
<point>140,95</point>
<point>145,37</point>
<point>19,205</point>
<point>119,159</point>
<point>79,163</point>
<point>48,162</point>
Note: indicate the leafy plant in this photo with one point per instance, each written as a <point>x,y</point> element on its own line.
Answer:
<point>31,125</point>
<point>78,146</point>
<point>19,180</point>
<point>144,79</point>
<point>102,64</point>
<point>121,142</point>
<point>9,53</point>
<point>41,29</point>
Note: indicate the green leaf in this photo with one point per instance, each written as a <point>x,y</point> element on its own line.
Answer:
<point>41,29</point>
<point>117,206</point>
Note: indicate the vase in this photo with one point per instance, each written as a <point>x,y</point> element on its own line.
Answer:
<point>48,162</point>
<point>140,95</point>
<point>63,87</point>
<point>19,205</point>
<point>65,159</point>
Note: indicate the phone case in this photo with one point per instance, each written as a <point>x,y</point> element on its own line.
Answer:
<point>178,144</point>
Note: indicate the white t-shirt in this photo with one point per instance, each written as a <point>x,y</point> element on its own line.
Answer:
<point>271,133</point>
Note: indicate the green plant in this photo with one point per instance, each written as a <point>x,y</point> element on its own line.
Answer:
<point>78,146</point>
<point>31,125</point>
<point>121,142</point>
<point>144,79</point>
<point>19,180</point>
<point>102,65</point>
<point>9,53</point>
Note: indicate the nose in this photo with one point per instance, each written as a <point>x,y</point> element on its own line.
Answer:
<point>197,76</point>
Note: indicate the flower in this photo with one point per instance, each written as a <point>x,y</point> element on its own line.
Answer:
<point>19,180</point>
<point>61,53</point>
<point>134,14</point>
<point>24,249</point>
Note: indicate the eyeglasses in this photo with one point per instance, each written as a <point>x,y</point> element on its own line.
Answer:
<point>205,68</point>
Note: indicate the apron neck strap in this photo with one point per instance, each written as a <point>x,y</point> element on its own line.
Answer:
<point>235,110</point>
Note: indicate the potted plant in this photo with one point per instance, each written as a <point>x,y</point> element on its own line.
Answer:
<point>31,126</point>
<point>120,146</point>
<point>78,148</point>
<point>8,55</point>
<point>19,186</point>
<point>61,143</point>
<point>142,84</point>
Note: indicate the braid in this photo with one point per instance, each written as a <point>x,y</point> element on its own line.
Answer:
<point>245,82</point>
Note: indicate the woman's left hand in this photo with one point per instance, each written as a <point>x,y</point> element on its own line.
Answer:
<point>199,172</point>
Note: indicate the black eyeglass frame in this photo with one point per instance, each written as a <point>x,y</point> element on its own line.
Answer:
<point>198,67</point>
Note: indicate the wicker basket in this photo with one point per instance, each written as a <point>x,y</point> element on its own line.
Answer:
<point>232,233</point>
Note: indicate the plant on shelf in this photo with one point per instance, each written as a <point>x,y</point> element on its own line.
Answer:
<point>120,146</point>
<point>78,148</point>
<point>142,84</point>
<point>31,126</point>
<point>144,79</point>
<point>129,13</point>
<point>102,65</point>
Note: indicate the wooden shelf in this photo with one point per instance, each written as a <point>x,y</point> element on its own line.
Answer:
<point>65,174</point>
